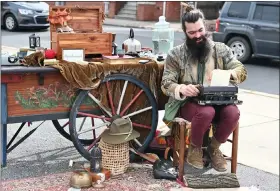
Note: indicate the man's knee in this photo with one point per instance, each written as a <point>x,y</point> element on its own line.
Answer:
<point>231,112</point>
<point>206,113</point>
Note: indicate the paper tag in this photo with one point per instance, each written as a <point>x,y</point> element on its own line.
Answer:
<point>220,78</point>
<point>73,55</point>
<point>71,163</point>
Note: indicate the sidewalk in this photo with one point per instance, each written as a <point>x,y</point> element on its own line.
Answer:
<point>177,26</point>
<point>259,131</point>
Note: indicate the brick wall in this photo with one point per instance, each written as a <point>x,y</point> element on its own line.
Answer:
<point>151,11</point>
<point>148,12</point>
<point>115,7</point>
<point>172,11</point>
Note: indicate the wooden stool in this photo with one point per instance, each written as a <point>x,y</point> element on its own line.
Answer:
<point>179,146</point>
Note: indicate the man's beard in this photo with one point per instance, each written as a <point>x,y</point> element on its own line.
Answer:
<point>199,50</point>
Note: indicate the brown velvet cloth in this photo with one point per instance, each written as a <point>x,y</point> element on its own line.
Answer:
<point>90,76</point>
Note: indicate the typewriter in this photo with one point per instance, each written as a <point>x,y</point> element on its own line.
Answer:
<point>217,95</point>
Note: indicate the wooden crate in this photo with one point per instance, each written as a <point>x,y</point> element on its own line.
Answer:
<point>87,19</point>
<point>92,43</point>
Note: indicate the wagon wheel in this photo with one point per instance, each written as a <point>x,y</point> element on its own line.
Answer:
<point>122,102</point>
<point>62,125</point>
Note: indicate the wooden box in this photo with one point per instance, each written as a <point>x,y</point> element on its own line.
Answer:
<point>87,19</point>
<point>92,43</point>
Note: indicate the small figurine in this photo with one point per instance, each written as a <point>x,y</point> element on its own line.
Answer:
<point>61,17</point>
<point>99,183</point>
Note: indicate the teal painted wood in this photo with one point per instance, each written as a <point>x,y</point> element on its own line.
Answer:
<point>4,116</point>
<point>4,111</point>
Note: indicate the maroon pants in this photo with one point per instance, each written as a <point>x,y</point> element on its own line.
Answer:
<point>201,117</point>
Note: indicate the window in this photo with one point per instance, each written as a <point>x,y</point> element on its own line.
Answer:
<point>267,13</point>
<point>59,3</point>
<point>239,9</point>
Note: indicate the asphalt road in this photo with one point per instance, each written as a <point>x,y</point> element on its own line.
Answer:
<point>263,74</point>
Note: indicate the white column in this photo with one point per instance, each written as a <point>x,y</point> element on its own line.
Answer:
<point>163,10</point>
<point>106,6</point>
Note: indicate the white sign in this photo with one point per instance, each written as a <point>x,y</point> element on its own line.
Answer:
<point>73,55</point>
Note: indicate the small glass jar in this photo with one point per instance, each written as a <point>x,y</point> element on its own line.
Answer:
<point>120,53</point>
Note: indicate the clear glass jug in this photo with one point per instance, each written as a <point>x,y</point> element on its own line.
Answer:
<point>163,37</point>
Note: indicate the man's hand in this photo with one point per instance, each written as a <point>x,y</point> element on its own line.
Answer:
<point>189,90</point>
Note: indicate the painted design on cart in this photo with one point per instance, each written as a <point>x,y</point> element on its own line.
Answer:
<point>54,95</point>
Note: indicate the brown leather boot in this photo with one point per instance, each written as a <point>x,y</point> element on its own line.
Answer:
<point>194,157</point>
<point>219,163</point>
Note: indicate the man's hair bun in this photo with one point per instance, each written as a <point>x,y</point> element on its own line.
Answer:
<point>188,8</point>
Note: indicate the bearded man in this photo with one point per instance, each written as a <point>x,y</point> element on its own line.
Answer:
<point>190,64</point>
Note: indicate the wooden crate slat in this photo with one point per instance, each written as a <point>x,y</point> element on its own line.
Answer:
<point>84,27</point>
<point>92,43</point>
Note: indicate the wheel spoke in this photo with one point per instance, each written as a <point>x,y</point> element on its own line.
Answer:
<point>92,123</point>
<point>94,128</point>
<point>138,143</point>
<point>67,123</point>
<point>94,116</point>
<point>104,119</point>
<point>141,125</point>
<point>131,102</point>
<point>122,96</point>
<point>93,143</point>
<point>137,112</point>
<point>110,98</point>
<point>82,124</point>
<point>99,104</point>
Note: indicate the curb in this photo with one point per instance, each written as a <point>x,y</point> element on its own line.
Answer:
<point>135,26</point>
<point>117,25</point>
<point>8,47</point>
<point>259,93</point>
<point>143,27</point>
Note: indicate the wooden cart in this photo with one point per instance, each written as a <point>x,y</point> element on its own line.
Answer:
<point>38,94</point>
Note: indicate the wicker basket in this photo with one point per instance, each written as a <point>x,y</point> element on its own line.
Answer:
<point>115,157</point>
